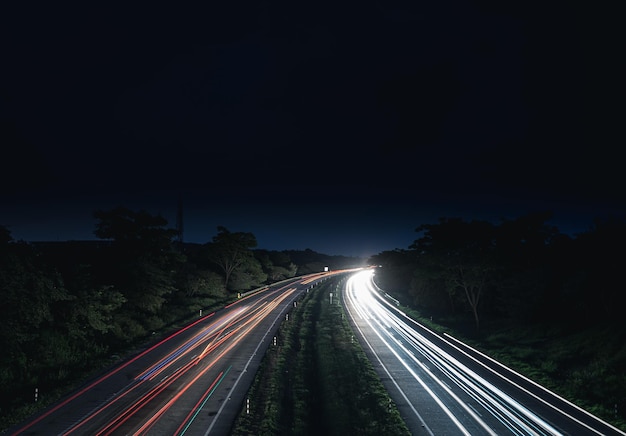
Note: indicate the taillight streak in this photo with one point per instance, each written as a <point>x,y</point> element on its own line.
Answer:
<point>200,404</point>
<point>250,323</point>
<point>200,337</point>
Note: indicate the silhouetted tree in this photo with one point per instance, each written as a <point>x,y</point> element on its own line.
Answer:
<point>276,264</point>
<point>393,272</point>
<point>598,255</point>
<point>248,275</point>
<point>142,263</point>
<point>464,254</point>
<point>230,251</point>
<point>526,266</point>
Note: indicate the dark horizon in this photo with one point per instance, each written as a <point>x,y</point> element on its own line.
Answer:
<point>353,125</point>
<point>329,228</point>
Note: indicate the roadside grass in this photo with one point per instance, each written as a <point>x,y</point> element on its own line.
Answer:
<point>317,378</point>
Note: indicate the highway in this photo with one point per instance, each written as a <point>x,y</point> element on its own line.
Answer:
<point>192,382</point>
<point>442,386</point>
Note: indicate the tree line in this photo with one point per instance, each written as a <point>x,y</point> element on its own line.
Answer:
<point>522,270</point>
<point>546,303</point>
<point>68,305</point>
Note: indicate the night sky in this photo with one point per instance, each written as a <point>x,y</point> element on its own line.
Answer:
<point>334,126</point>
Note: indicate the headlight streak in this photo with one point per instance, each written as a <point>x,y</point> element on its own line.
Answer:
<point>353,296</point>
<point>246,318</point>
<point>504,408</point>
<point>529,381</point>
<point>352,289</point>
<point>499,405</point>
<point>483,392</point>
<point>475,386</point>
<point>472,384</point>
<point>493,399</point>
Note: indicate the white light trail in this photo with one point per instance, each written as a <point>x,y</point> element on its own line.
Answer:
<point>413,349</point>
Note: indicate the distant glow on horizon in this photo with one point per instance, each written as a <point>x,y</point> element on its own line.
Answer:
<point>356,230</point>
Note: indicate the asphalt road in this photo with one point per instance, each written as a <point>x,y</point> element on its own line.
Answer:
<point>442,386</point>
<point>192,382</point>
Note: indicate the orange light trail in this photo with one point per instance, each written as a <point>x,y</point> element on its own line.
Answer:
<point>247,321</point>
<point>187,347</point>
<point>253,323</point>
<point>195,409</point>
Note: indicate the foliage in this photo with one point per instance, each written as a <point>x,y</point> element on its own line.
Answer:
<point>142,262</point>
<point>309,261</point>
<point>248,276</point>
<point>29,290</point>
<point>231,252</point>
<point>397,268</point>
<point>461,254</point>
<point>277,265</point>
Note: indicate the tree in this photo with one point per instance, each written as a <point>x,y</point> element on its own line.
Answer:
<point>89,314</point>
<point>29,290</point>
<point>195,282</point>
<point>276,264</point>
<point>463,252</point>
<point>249,275</point>
<point>472,277</point>
<point>142,262</point>
<point>598,256</point>
<point>393,270</point>
<point>230,250</point>
<point>525,252</point>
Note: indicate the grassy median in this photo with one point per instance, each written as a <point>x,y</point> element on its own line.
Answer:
<point>317,379</point>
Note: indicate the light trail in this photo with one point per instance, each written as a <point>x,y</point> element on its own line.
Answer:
<point>226,331</point>
<point>210,428</point>
<point>406,344</point>
<point>538,398</point>
<point>142,377</point>
<point>202,335</point>
<point>497,402</point>
<point>200,404</point>
<point>250,324</point>
<point>370,305</point>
